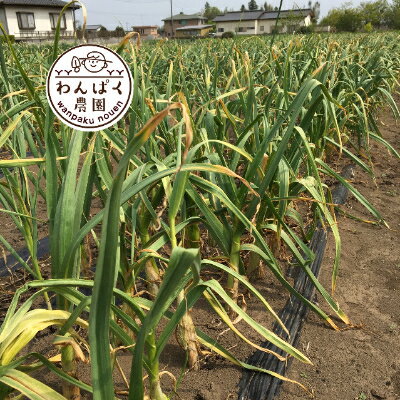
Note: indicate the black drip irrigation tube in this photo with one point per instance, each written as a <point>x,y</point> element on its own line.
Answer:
<point>261,386</point>
<point>12,263</point>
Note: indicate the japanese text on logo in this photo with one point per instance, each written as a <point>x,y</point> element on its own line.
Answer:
<point>89,87</point>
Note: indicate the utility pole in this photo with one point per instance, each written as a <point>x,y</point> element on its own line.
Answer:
<point>172,22</point>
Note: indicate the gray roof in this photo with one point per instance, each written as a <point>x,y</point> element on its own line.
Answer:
<point>286,13</point>
<point>182,16</point>
<point>144,26</point>
<point>37,3</point>
<point>193,27</point>
<point>238,16</point>
<point>93,27</point>
<point>254,15</point>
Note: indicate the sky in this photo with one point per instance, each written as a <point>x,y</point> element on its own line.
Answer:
<point>111,13</point>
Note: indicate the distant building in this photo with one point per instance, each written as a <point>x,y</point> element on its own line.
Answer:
<point>93,29</point>
<point>146,31</point>
<point>181,20</point>
<point>36,19</point>
<point>192,31</point>
<point>261,22</point>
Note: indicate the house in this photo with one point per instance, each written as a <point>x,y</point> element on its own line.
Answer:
<point>93,30</point>
<point>261,22</point>
<point>36,19</point>
<point>193,31</point>
<point>146,31</point>
<point>180,20</point>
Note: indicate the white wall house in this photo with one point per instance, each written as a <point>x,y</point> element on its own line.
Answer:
<point>36,19</point>
<point>262,22</point>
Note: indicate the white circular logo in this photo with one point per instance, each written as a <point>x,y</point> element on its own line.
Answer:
<point>89,87</point>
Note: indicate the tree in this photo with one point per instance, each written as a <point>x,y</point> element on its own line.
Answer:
<point>292,21</point>
<point>253,5</point>
<point>368,27</point>
<point>393,19</point>
<point>243,8</point>
<point>119,31</point>
<point>346,19</point>
<point>315,8</point>
<point>103,32</point>
<point>211,12</point>
<point>206,6</point>
<point>375,12</point>
<point>268,7</point>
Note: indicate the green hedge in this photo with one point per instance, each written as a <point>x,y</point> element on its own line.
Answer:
<point>228,35</point>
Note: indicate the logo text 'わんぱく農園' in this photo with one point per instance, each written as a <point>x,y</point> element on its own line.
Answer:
<point>89,87</point>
